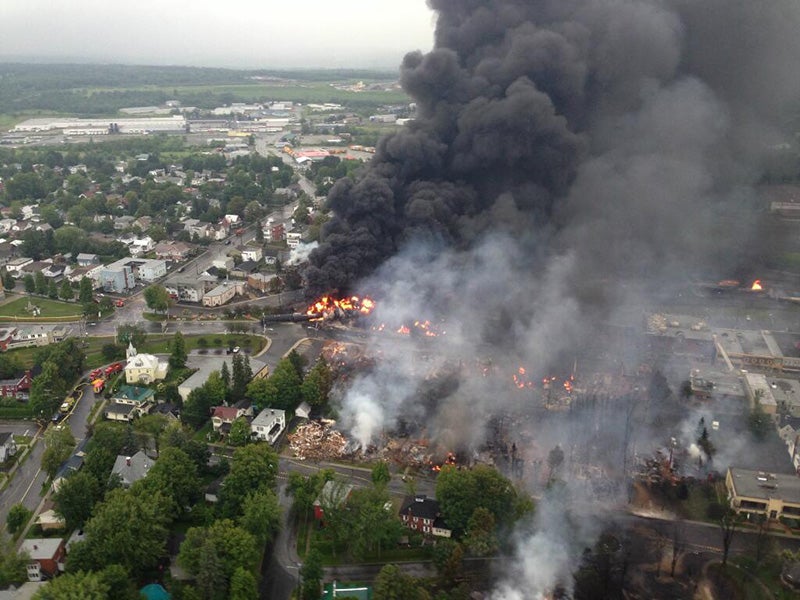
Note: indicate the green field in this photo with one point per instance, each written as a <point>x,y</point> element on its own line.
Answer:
<point>50,309</point>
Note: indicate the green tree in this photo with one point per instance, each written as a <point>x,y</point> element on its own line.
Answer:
<point>369,522</point>
<point>759,422</point>
<point>59,444</point>
<point>460,492</point>
<point>157,298</point>
<point>225,374</point>
<point>149,427</point>
<point>177,359</point>
<point>481,539</point>
<point>261,515</point>
<point>18,516</point>
<point>76,498</point>
<point>30,283</point>
<point>127,334</point>
<point>86,291</point>
<point>392,584</point>
<point>66,292</point>
<point>127,528</point>
<point>13,566</point>
<point>176,477</point>
<point>243,585</point>
<point>231,546</point>
<point>311,574</point>
<point>86,586</point>
<point>52,290</point>
<point>40,283</point>
<point>380,474</point>
<point>298,362</point>
<point>317,384</point>
<point>240,432</point>
<point>253,468</point>
<point>8,281</point>
<point>286,383</point>
<point>263,393</point>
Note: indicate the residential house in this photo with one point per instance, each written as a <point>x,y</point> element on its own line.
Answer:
<point>223,262</point>
<point>293,238</point>
<point>275,232</point>
<point>760,391</point>
<point>252,252</point>
<point>767,494</point>
<point>55,272</point>
<point>197,227</point>
<point>334,495</point>
<point>6,225</point>
<point>143,368</point>
<point>123,223</point>
<point>73,464</point>
<point>223,416</point>
<point>78,273</point>
<point>131,469</point>
<point>87,260</point>
<point>151,270</point>
<point>141,245</point>
<point>33,335</point>
<point>8,447</point>
<point>46,557</point>
<point>268,425</point>
<point>143,223</point>
<point>49,520</point>
<point>244,268</point>
<point>129,402</point>
<point>174,251</point>
<point>422,514</point>
<point>15,265</point>
<point>18,387</point>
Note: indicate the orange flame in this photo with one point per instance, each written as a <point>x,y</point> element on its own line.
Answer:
<point>328,306</point>
<point>756,287</point>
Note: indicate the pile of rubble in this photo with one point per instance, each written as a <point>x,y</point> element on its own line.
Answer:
<point>317,440</point>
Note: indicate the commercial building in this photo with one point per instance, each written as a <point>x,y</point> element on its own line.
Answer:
<point>207,365</point>
<point>223,294</point>
<point>759,493</point>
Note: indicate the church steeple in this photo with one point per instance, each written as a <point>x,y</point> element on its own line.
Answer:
<point>131,351</point>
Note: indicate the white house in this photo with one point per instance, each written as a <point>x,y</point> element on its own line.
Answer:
<point>268,425</point>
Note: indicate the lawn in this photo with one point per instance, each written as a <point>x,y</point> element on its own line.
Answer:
<point>50,309</point>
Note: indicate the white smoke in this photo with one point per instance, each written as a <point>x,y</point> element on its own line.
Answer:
<point>300,254</point>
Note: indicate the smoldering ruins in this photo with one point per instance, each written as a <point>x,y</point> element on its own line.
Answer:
<point>570,163</point>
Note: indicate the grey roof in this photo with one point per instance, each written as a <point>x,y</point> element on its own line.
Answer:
<point>4,437</point>
<point>118,408</point>
<point>759,484</point>
<point>133,472</point>
<point>41,548</point>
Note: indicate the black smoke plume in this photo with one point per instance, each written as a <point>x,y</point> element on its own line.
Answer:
<point>627,129</point>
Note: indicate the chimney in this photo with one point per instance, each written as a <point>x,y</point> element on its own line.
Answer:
<point>128,460</point>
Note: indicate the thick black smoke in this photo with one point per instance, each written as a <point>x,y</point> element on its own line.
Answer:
<point>627,129</point>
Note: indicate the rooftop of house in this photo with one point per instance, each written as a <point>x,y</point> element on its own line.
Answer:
<point>209,365</point>
<point>268,416</point>
<point>420,506</point>
<point>759,484</point>
<point>132,468</point>
<point>41,548</point>
<point>226,413</point>
<point>5,437</point>
<point>134,393</point>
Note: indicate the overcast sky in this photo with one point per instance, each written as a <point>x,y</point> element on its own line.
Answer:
<point>217,33</point>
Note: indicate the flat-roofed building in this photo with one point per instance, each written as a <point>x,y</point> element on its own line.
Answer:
<point>760,493</point>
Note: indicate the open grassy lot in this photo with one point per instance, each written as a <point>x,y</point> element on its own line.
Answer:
<point>50,309</point>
